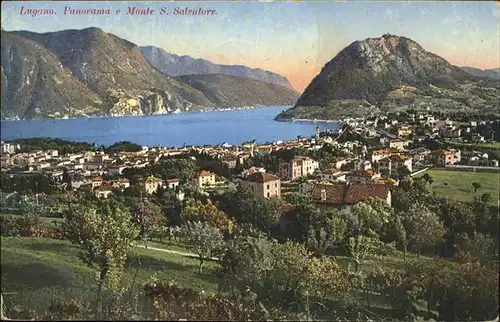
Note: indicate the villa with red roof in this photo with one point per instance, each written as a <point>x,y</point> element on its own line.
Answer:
<point>330,196</point>
<point>263,185</point>
<point>173,183</point>
<point>203,179</point>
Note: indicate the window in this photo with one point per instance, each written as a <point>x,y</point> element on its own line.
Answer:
<point>267,186</point>
<point>276,185</point>
<point>323,195</point>
<point>268,194</point>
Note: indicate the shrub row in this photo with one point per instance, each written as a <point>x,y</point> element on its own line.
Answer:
<point>27,226</point>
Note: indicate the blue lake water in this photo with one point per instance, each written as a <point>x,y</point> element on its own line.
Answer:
<point>233,127</point>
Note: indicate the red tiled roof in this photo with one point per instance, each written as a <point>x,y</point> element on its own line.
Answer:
<point>261,177</point>
<point>205,173</point>
<point>360,192</point>
<point>362,173</point>
<point>331,171</point>
<point>334,193</point>
<point>338,194</point>
<point>397,158</point>
<point>95,179</point>
<point>124,180</point>
<point>252,170</point>
<point>173,180</point>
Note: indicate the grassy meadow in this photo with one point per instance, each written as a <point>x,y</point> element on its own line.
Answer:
<point>458,184</point>
<point>38,270</point>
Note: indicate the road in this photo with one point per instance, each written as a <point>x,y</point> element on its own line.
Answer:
<point>174,252</point>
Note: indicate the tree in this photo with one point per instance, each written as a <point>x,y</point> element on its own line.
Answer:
<point>67,179</point>
<point>326,232</point>
<point>368,218</point>
<point>148,217</point>
<point>476,185</point>
<point>245,262</point>
<point>458,217</point>
<point>423,227</point>
<point>241,206</point>
<point>195,210</point>
<point>297,199</point>
<point>205,240</point>
<point>104,238</point>
<point>281,274</point>
<point>428,178</point>
<point>458,292</point>
<point>401,237</point>
<point>238,168</point>
<point>402,172</point>
<point>486,198</point>
<point>479,247</point>
<point>126,146</point>
<point>397,286</point>
<point>362,247</point>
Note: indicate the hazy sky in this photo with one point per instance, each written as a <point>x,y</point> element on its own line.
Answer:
<point>294,39</point>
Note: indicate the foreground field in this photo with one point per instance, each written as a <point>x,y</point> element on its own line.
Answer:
<point>491,145</point>
<point>39,270</point>
<point>458,184</point>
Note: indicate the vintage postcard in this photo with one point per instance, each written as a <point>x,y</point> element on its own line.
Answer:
<point>250,160</point>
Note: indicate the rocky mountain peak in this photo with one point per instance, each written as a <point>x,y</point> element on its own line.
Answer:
<point>88,72</point>
<point>368,72</point>
<point>176,65</point>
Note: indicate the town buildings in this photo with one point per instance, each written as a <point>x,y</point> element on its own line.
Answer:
<point>389,165</point>
<point>441,158</point>
<point>335,196</point>
<point>204,179</point>
<point>398,144</point>
<point>299,166</point>
<point>9,148</point>
<point>361,176</point>
<point>151,184</point>
<point>263,185</point>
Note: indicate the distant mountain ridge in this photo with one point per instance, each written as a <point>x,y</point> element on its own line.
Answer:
<point>175,65</point>
<point>391,73</point>
<point>88,72</point>
<point>238,89</point>
<point>493,73</point>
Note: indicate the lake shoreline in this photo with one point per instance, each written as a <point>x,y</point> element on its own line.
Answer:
<point>173,113</point>
<point>183,129</point>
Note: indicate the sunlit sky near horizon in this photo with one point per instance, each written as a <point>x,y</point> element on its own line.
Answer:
<point>294,39</point>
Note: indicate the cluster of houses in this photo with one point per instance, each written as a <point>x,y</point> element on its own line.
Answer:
<point>345,181</point>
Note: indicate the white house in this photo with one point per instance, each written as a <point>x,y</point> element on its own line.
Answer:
<point>173,183</point>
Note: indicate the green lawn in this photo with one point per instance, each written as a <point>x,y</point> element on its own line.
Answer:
<point>491,145</point>
<point>458,184</point>
<point>40,269</point>
<point>165,243</point>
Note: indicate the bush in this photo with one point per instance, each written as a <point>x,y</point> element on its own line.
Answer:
<point>172,302</point>
<point>8,226</point>
<point>65,309</point>
<point>27,226</point>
